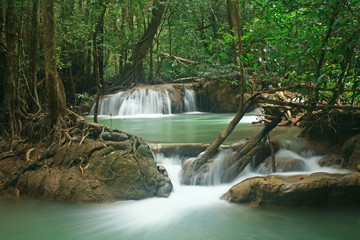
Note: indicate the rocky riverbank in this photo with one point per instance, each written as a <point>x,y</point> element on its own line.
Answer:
<point>302,190</point>
<point>105,166</point>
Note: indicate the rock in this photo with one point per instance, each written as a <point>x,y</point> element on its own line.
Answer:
<point>165,189</point>
<point>265,152</point>
<point>216,96</point>
<point>162,170</point>
<point>294,191</point>
<point>114,136</point>
<point>183,150</point>
<point>96,173</point>
<point>118,137</point>
<point>351,152</point>
<point>145,151</point>
<point>282,165</point>
<point>331,160</point>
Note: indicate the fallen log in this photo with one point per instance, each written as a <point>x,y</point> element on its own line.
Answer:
<point>198,173</point>
<point>180,59</point>
<point>245,154</point>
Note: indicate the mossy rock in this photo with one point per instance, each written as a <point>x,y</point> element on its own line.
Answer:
<point>96,172</point>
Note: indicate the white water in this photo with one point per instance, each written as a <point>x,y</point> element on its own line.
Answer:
<point>186,201</point>
<point>143,102</point>
<point>191,212</point>
<point>308,157</point>
<point>189,100</point>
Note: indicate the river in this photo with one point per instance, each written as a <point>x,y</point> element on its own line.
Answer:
<point>191,212</point>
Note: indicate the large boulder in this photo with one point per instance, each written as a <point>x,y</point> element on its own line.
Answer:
<point>94,171</point>
<point>293,191</point>
<point>282,164</point>
<point>351,153</point>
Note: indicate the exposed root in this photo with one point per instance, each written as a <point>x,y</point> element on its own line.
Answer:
<point>6,155</point>
<point>83,136</point>
<point>17,193</point>
<point>27,155</point>
<point>102,132</point>
<point>68,137</point>
<point>83,168</point>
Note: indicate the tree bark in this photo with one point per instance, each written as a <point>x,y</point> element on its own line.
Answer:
<point>233,8</point>
<point>212,149</point>
<point>234,20</point>
<point>10,95</point>
<point>231,166</point>
<point>245,154</point>
<point>97,62</point>
<point>135,71</point>
<point>54,87</point>
<point>33,54</point>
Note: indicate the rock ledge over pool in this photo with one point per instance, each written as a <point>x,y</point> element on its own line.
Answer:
<point>300,190</point>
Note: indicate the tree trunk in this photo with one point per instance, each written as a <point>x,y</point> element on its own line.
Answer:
<point>245,154</point>
<point>10,95</point>
<point>234,20</point>
<point>233,8</point>
<point>213,148</point>
<point>135,70</point>
<point>33,54</point>
<point>98,84</point>
<point>2,21</point>
<point>232,165</point>
<point>54,86</point>
<point>97,63</point>
<point>3,81</point>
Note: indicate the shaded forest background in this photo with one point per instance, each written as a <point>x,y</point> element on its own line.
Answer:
<point>308,47</point>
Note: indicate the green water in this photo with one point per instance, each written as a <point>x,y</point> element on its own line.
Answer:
<point>191,212</point>
<point>192,128</point>
<point>57,221</point>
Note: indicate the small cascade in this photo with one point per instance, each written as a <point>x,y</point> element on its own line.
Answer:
<point>189,100</point>
<point>218,170</point>
<point>148,101</point>
<point>287,161</point>
<point>215,175</point>
<point>143,101</point>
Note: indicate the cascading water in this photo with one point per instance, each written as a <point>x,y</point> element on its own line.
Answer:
<point>189,100</point>
<point>145,101</point>
<point>138,102</point>
<point>191,212</point>
<point>288,163</point>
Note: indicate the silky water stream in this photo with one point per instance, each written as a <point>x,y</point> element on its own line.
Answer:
<point>191,212</point>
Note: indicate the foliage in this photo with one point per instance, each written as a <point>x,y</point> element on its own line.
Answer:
<point>309,46</point>
<point>83,104</point>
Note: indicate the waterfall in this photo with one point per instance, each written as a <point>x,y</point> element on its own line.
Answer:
<point>146,101</point>
<point>189,100</point>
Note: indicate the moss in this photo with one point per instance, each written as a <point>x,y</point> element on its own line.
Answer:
<point>144,150</point>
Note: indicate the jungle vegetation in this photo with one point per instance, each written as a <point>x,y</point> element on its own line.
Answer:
<point>55,54</point>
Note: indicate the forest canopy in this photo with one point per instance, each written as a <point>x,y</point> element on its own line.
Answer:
<point>309,47</point>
